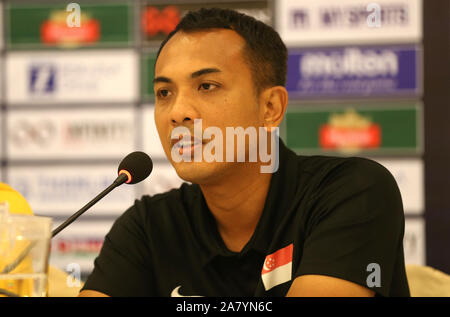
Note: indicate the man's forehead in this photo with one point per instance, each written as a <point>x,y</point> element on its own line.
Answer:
<point>219,48</point>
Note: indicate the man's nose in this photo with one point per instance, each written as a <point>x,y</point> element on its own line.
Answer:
<point>183,111</point>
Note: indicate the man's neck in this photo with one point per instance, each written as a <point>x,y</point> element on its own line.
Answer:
<point>237,204</point>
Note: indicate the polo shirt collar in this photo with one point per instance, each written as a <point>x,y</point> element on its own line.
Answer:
<point>282,189</point>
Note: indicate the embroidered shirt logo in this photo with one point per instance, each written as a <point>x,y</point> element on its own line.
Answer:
<point>176,293</point>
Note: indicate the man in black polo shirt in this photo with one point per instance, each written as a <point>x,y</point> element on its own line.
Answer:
<point>317,226</point>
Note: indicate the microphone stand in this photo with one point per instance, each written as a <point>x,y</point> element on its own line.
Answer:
<point>122,178</point>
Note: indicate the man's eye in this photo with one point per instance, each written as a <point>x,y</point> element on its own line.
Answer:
<point>162,93</point>
<point>207,86</point>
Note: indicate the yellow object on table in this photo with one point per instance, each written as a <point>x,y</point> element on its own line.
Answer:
<point>17,205</point>
<point>57,285</point>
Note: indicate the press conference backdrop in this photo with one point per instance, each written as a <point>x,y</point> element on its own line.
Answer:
<point>75,100</point>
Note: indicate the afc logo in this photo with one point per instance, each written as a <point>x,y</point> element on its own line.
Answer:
<point>42,79</point>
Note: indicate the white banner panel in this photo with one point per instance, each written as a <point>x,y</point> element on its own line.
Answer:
<point>330,22</point>
<point>151,141</point>
<point>75,248</point>
<point>409,174</point>
<point>101,133</point>
<point>2,77</point>
<point>264,15</point>
<point>2,44</point>
<point>414,241</point>
<point>62,190</point>
<point>82,76</point>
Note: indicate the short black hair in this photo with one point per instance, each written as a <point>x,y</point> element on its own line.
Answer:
<point>264,51</point>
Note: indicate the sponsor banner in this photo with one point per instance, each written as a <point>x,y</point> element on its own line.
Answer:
<point>58,25</point>
<point>1,29</point>
<point>2,136</point>
<point>63,189</point>
<point>409,174</point>
<point>355,71</point>
<point>101,133</point>
<point>414,241</point>
<point>354,129</point>
<point>159,18</point>
<point>72,77</point>
<point>162,179</point>
<point>147,75</point>
<point>330,22</point>
<point>74,249</point>
<point>2,76</point>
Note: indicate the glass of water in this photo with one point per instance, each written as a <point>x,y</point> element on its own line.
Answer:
<point>24,254</point>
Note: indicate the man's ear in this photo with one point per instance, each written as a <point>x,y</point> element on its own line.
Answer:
<point>273,103</point>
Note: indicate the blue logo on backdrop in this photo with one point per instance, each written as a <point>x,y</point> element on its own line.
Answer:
<point>42,78</point>
<point>354,71</point>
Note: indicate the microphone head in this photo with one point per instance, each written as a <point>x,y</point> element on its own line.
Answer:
<point>137,166</point>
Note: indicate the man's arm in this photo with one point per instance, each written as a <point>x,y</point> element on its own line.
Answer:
<point>326,286</point>
<point>356,220</point>
<point>89,293</point>
<point>124,260</point>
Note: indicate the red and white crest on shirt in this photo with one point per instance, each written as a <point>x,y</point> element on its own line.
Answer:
<point>277,268</point>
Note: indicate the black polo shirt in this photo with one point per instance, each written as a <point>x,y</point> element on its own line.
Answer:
<point>339,217</point>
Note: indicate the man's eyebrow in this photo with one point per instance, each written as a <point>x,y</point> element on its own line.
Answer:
<point>198,73</point>
<point>162,79</point>
<point>205,71</point>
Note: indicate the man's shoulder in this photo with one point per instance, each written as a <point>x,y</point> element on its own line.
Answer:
<point>335,180</point>
<point>323,165</point>
<point>351,171</point>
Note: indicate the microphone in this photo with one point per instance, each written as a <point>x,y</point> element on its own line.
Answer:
<point>134,168</point>
<point>137,166</point>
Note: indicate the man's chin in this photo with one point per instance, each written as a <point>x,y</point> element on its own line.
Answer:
<point>199,172</point>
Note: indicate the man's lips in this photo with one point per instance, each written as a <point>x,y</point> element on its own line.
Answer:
<point>187,143</point>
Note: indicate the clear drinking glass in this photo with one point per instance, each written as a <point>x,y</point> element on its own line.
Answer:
<point>24,254</point>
